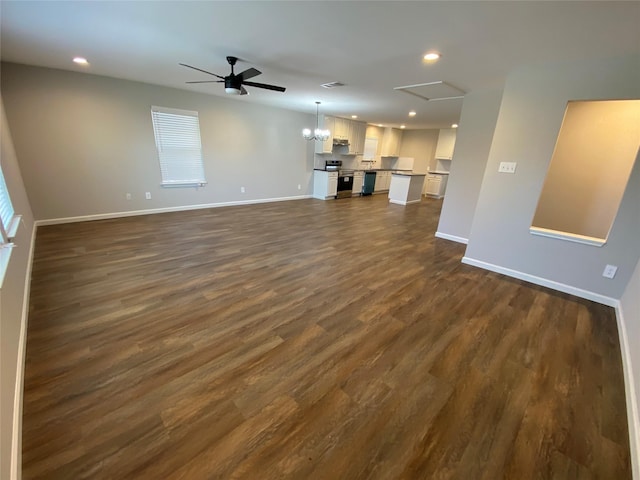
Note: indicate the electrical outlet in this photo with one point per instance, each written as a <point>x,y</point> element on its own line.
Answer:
<point>507,167</point>
<point>128,196</point>
<point>241,189</point>
<point>147,195</point>
<point>610,271</point>
<point>299,187</point>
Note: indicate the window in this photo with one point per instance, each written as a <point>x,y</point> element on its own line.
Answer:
<point>177,134</point>
<point>9,220</point>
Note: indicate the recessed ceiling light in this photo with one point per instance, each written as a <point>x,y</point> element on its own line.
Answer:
<point>432,56</point>
<point>354,116</point>
<point>403,126</point>
<point>412,113</point>
<point>80,61</point>
<point>454,125</point>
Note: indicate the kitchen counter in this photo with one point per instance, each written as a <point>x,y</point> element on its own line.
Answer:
<point>406,187</point>
<point>407,174</point>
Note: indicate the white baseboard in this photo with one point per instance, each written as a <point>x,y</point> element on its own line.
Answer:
<point>16,433</point>
<point>453,238</point>
<point>633,416</point>
<point>561,287</point>
<point>133,213</point>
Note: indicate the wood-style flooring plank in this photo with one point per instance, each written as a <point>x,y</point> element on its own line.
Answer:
<point>308,340</point>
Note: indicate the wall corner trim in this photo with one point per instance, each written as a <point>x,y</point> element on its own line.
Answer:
<point>453,238</point>
<point>633,416</point>
<point>544,282</point>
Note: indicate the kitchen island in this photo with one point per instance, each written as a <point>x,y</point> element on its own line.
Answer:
<point>406,187</point>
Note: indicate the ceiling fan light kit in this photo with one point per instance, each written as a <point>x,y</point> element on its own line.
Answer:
<point>318,133</point>
<point>234,84</point>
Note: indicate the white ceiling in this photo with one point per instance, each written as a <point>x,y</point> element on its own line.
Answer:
<point>371,47</point>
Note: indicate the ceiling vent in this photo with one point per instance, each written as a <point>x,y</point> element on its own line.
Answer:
<point>332,85</point>
<point>433,91</point>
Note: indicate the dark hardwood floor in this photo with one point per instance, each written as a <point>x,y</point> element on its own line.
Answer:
<point>308,340</point>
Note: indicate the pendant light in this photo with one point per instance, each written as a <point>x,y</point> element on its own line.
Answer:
<point>318,134</point>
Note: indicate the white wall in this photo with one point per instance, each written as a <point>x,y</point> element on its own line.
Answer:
<point>531,113</point>
<point>629,316</point>
<point>13,312</point>
<point>473,141</point>
<point>84,141</point>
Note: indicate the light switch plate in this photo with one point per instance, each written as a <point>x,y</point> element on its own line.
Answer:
<point>610,271</point>
<point>507,167</point>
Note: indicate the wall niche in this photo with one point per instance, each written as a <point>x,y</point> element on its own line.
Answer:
<point>595,152</point>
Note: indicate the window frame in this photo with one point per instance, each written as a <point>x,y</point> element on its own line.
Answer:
<point>181,163</point>
<point>9,221</point>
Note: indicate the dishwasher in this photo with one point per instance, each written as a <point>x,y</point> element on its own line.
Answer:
<point>369,183</point>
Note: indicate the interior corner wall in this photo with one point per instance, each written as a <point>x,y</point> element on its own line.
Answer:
<point>533,105</point>
<point>473,141</point>
<point>85,141</point>
<point>630,316</point>
<point>421,146</point>
<point>13,311</point>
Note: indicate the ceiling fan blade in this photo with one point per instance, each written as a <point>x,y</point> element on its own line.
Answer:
<point>243,91</point>
<point>264,85</point>
<point>200,70</point>
<point>249,73</point>
<point>207,81</point>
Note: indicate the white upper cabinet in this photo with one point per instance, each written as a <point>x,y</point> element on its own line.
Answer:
<point>356,138</point>
<point>446,143</point>
<point>342,128</point>
<point>391,142</point>
<point>325,123</point>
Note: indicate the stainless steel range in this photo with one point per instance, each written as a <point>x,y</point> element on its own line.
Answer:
<point>345,177</point>
<point>345,183</point>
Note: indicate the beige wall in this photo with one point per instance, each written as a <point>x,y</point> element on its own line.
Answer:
<point>473,142</point>
<point>597,145</point>
<point>531,112</point>
<point>84,141</point>
<point>421,145</point>
<point>13,311</point>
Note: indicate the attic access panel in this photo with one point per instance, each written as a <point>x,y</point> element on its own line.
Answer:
<point>433,91</point>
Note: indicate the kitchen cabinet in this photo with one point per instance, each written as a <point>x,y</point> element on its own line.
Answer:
<point>358,180</point>
<point>356,138</point>
<point>436,185</point>
<point>446,143</point>
<point>391,139</point>
<point>325,184</point>
<point>383,181</point>
<point>342,128</point>
<point>325,122</point>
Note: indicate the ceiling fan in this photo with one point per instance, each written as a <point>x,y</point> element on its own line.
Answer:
<point>234,84</point>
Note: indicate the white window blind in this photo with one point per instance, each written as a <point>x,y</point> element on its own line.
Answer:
<point>177,135</point>
<point>9,221</point>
